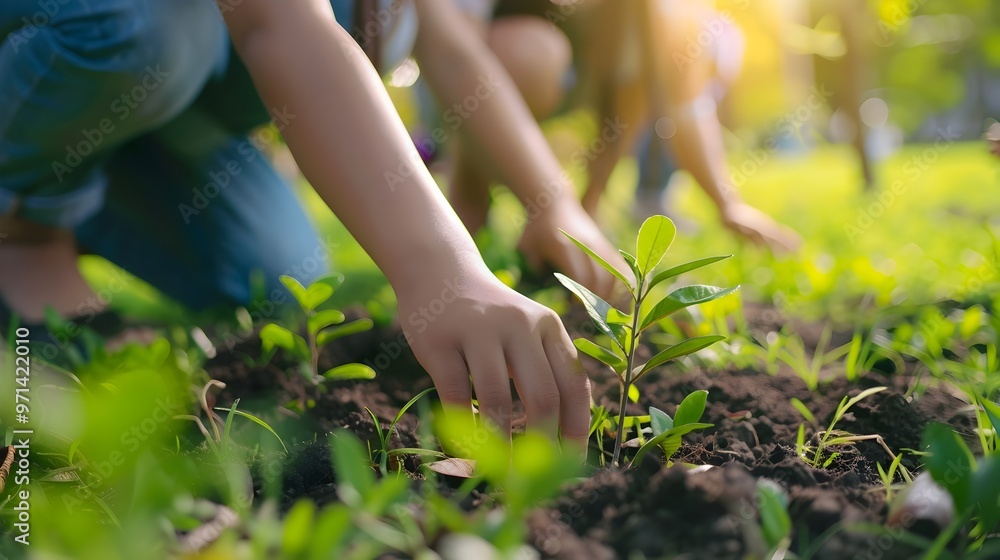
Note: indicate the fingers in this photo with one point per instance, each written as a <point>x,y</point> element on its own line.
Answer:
<point>535,382</point>
<point>489,377</point>
<point>451,377</point>
<point>574,388</point>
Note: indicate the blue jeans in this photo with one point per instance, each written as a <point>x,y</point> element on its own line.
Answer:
<point>129,122</point>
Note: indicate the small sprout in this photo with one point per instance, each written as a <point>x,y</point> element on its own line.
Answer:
<point>323,326</point>
<point>831,437</point>
<point>624,329</point>
<point>381,455</point>
<point>220,442</point>
<point>667,431</point>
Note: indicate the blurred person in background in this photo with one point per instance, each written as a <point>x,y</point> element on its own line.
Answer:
<point>656,72</point>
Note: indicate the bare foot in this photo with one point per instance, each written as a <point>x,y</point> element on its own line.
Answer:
<point>40,269</point>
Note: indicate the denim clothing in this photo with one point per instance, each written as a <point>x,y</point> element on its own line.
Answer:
<point>129,121</point>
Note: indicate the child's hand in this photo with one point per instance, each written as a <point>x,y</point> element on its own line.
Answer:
<point>543,243</point>
<point>469,324</point>
<point>760,228</point>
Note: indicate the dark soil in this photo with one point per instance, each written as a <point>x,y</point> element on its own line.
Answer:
<point>659,512</point>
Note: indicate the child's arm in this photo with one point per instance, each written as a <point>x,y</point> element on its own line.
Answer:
<point>460,67</point>
<point>678,89</point>
<point>350,144</point>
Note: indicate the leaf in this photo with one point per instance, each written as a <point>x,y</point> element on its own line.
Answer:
<point>775,523</point>
<point>622,336</point>
<point>597,308</point>
<point>950,463</point>
<point>686,267</point>
<point>863,395</point>
<point>347,372</point>
<point>986,482</point>
<point>660,421</point>
<point>600,260</point>
<point>804,411</point>
<point>332,528</point>
<point>351,464</point>
<point>633,393</point>
<point>316,295</point>
<point>630,261</point>
<point>616,317</point>
<point>323,319</point>
<point>458,468</point>
<point>354,327</point>
<point>689,346</point>
<point>992,412</point>
<point>296,288</point>
<point>407,406</point>
<point>334,279</point>
<point>298,525</point>
<point>257,421</point>
<point>275,336</point>
<point>675,432</point>
<point>691,408</point>
<point>600,354</point>
<point>655,237</point>
<point>681,298</point>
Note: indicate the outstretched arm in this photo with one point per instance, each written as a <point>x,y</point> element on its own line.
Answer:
<point>350,144</point>
<point>467,77</point>
<point>677,86</point>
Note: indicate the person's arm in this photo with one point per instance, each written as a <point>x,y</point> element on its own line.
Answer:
<point>678,89</point>
<point>459,67</point>
<point>350,144</point>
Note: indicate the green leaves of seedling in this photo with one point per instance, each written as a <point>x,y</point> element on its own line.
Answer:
<point>596,307</point>
<point>675,271</point>
<point>322,327</point>
<point>601,354</point>
<point>316,294</point>
<point>355,477</point>
<point>667,432</point>
<point>347,372</point>
<point>329,335</point>
<point>274,336</point>
<point>655,237</point>
<point>775,524</point>
<point>323,319</point>
<point>599,260</point>
<point>681,298</point>
<point>689,346</point>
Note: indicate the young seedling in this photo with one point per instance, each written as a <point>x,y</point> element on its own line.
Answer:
<point>667,431</point>
<point>381,455</point>
<point>323,326</point>
<point>830,436</point>
<point>624,329</point>
<point>219,441</point>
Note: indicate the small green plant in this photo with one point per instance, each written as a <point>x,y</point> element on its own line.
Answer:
<point>667,432</point>
<point>323,326</point>
<point>791,350</point>
<point>220,441</point>
<point>624,330</point>
<point>888,476</point>
<point>775,523</point>
<point>381,455</point>
<point>814,454</point>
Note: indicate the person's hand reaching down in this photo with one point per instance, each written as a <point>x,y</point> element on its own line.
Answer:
<point>470,324</point>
